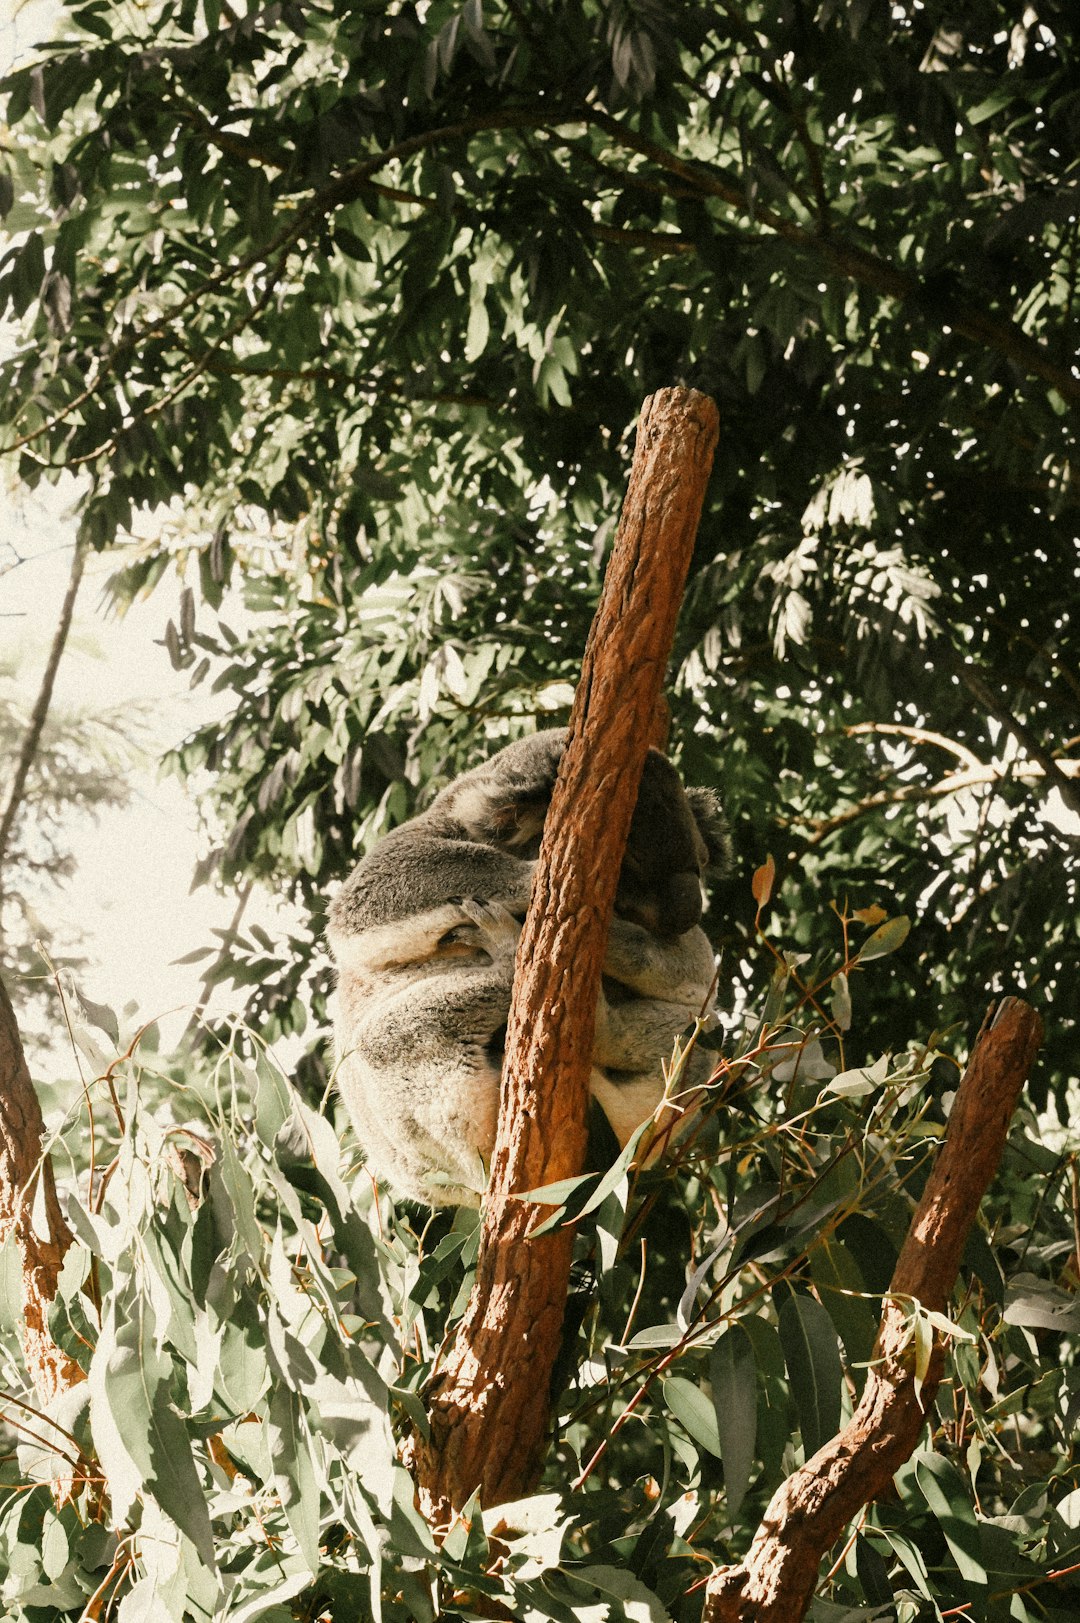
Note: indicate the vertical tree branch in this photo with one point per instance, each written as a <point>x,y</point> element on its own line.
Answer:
<point>488,1406</point>
<point>807,1514</point>
<point>38,716</point>
<point>30,1216</point>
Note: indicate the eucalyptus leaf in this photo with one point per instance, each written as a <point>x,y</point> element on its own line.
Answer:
<point>813,1365</point>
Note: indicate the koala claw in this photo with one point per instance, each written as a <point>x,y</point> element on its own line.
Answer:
<point>499,929</point>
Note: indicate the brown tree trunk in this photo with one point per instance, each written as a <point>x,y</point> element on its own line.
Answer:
<point>30,1215</point>
<point>489,1403</point>
<point>806,1516</point>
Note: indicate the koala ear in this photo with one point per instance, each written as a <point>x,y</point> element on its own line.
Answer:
<point>712,827</point>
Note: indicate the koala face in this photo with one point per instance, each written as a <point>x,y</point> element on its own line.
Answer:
<point>504,802</point>
<point>666,855</point>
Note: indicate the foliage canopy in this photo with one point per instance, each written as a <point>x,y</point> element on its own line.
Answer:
<point>366,298</point>
<point>370,296</point>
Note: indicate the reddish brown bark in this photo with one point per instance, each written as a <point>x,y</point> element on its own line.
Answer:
<point>810,1511</point>
<point>488,1406</point>
<point>30,1215</point>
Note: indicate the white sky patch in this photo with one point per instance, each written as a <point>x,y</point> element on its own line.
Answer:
<point>23,25</point>
<point>130,896</point>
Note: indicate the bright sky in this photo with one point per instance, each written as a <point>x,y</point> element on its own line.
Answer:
<point>22,24</point>
<point>130,894</point>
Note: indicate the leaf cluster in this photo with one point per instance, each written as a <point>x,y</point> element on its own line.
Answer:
<point>257,1328</point>
<point>366,297</point>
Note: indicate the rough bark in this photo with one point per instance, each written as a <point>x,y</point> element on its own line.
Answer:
<point>30,1215</point>
<point>488,1405</point>
<point>806,1516</point>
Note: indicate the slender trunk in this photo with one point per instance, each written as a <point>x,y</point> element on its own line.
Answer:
<point>38,716</point>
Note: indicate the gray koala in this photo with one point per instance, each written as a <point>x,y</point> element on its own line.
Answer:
<point>424,934</point>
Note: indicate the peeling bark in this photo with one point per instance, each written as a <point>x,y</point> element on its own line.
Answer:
<point>30,1215</point>
<point>808,1513</point>
<point>489,1404</point>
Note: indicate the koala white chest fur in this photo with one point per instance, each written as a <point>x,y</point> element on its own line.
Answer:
<point>424,934</point>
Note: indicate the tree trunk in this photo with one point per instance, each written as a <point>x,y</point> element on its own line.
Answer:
<point>807,1514</point>
<point>489,1404</point>
<point>30,1215</point>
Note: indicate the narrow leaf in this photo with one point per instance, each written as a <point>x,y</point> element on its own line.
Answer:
<point>294,1472</point>
<point>693,1410</point>
<point>732,1373</point>
<point>762,883</point>
<point>890,935</point>
<point>154,1456</point>
<point>946,1494</point>
<point>813,1365</point>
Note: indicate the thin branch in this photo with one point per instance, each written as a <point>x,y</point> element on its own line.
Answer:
<point>952,784</point>
<point>705,180</point>
<point>919,735</point>
<point>964,317</point>
<point>343,189</point>
<point>38,716</point>
<point>983,696</point>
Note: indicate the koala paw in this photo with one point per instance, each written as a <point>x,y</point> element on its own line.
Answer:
<point>495,925</point>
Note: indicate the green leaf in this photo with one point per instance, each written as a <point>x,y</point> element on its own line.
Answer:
<point>633,1599</point>
<point>292,1452</point>
<point>734,1392</point>
<point>946,1494</point>
<point>813,1365</point>
<point>886,938</point>
<point>140,1438</point>
<point>694,1410</point>
<point>839,1284</point>
<point>993,104</point>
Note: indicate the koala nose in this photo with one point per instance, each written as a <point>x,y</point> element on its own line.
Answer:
<point>680,907</point>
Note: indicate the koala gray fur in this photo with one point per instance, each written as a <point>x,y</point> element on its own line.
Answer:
<point>424,934</point>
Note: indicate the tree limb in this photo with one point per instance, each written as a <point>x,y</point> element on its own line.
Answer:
<point>1027,740</point>
<point>488,1405</point>
<point>808,1513</point>
<point>954,311</point>
<point>30,1215</point>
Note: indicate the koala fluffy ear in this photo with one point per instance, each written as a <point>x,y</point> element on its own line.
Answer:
<point>712,826</point>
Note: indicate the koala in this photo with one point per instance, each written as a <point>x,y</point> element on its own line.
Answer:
<point>424,934</point>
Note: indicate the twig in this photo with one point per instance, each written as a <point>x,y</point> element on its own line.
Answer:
<point>39,715</point>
